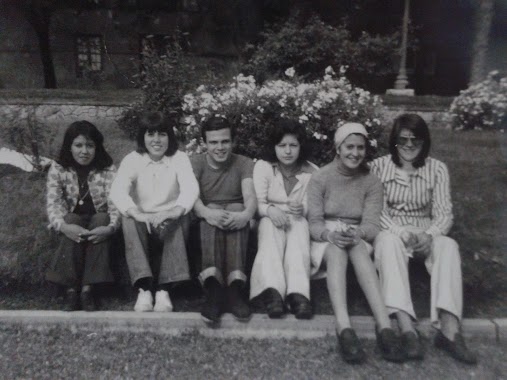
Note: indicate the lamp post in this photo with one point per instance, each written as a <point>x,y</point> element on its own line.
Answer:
<point>401,83</point>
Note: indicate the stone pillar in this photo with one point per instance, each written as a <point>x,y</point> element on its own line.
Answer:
<point>401,83</point>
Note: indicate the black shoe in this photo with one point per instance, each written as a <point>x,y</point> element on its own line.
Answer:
<point>389,345</point>
<point>88,302</point>
<point>300,306</point>
<point>456,348</point>
<point>237,305</point>
<point>71,300</point>
<point>350,347</point>
<point>211,310</point>
<point>412,346</point>
<point>274,303</point>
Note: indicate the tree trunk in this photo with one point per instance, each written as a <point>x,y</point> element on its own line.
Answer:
<point>483,21</point>
<point>40,18</point>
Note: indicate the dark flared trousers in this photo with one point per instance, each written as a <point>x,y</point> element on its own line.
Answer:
<point>223,252</point>
<point>77,264</point>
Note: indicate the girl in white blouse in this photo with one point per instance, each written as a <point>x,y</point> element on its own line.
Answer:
<point>281,269</point>
<point>155,187</point>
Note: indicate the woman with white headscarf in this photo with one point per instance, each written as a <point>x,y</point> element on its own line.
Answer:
<point>344,206</point>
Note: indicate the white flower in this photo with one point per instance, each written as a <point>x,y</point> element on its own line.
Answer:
<point>373,143</point>
<point>329,71</point>
<point>290,72</point>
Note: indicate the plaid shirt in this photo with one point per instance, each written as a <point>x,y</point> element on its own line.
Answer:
<point>421,199</point>
<point>63,193</point>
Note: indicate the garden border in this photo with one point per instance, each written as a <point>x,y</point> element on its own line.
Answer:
<point>259,327</point>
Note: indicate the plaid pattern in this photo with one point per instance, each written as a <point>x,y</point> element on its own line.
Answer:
<point>63,193</point>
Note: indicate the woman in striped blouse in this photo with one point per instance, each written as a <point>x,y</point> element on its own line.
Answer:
<point>416,217</point>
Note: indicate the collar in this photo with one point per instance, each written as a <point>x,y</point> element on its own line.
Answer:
<point>305,167</point>
<point>147,161</point>
<point>390,172</point>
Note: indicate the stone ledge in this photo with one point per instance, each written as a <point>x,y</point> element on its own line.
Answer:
<point>260,326</point>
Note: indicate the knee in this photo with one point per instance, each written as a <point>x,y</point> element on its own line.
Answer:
<point>387,245</point>
<point>446,247</point>
<point>385,238</point>
<point>235,207</point>
<point>99,219</point>
<point>72,218</point>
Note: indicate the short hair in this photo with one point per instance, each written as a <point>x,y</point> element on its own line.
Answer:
<point>155,122</point>
<point>215,123</point>
<point>282,128</point>
<point>419,128</point>
<point>84,128</point>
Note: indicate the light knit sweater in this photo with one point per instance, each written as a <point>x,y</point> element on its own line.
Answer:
<point>353,198</point>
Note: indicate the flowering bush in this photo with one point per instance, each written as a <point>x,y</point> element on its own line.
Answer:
<point>320,105</point>
<point>483,105</point>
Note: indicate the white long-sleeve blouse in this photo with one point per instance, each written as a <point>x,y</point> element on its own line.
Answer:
<point>154,186</point>
<point>270,189</point>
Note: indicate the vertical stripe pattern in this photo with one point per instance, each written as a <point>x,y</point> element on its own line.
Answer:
<point>421,199</point>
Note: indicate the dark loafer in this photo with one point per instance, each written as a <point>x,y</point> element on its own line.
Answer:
<point>300,306</point>
<point>350,347</point>
<point>390,346</point>
<point>211,310</point>
<point>412,346</point>
<point>71,300</point>
<point>455,348</point>
<point>238,307</point>
<point>274,303</point>
<point>88,302</point>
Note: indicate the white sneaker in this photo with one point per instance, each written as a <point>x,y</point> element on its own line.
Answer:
<point>144,301</point>
<point>162,302</point>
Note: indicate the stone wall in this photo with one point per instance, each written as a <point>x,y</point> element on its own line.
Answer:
<point>105,107</point>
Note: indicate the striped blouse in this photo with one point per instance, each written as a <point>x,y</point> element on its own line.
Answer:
<point>420,199</point>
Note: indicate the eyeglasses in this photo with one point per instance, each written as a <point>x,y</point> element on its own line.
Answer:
<point>416,141</point>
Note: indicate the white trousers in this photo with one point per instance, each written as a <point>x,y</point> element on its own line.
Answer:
<point>443,265</point>
<point>283,259</point>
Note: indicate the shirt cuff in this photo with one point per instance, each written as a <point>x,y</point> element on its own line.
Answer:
<point>434,231</point>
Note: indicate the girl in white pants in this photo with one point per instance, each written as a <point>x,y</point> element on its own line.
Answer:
<point>281,268</point>
<point>416,217</point>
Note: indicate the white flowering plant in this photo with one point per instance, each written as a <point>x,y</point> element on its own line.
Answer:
<point>320,106</point>
<point>482,106</point>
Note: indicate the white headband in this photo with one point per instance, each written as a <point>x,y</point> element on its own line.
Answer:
<point>346,130</point>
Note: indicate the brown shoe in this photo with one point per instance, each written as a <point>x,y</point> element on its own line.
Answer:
<point>390,345</point>
<point>350,347</point>
<point>238,307</point>
<point>455,348</point>
<point>300,306</point>
<point>274,303</point>
<point>412,345</point>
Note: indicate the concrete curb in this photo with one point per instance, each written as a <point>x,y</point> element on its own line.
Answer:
<point>260,325</point>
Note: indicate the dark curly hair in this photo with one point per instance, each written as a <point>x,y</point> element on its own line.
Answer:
<point>286,127</point>
<point>155,122</point>
<point>101,160</point>
<point>419,128</point>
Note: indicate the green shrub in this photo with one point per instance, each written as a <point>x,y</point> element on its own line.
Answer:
<point>312,45</point>
<point>483,105</point>
<point>320,105</point>
<point>165,77</point>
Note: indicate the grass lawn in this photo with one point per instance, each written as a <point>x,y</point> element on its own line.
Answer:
<point>133,355</point>
<point>477,163</point>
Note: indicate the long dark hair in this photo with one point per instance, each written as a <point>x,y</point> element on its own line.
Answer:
<point>419,128</point>
<point>101,160</point>
<point>286,127</point>
<point>155,122</point>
